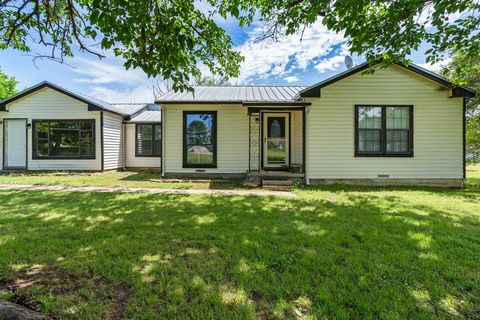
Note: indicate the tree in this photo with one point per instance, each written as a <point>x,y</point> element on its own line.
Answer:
<point>161,87</point>
<point>165,38</point>
<point>465,71</point>
<point>473,139</point>
<point>211,81</point>
<point>7,85</point>
<point>168,38</point>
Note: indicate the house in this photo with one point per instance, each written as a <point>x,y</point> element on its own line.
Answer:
<point>47,127</point>
<point>400,125</point>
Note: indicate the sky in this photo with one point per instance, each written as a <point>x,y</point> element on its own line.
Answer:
<point>294,60</point>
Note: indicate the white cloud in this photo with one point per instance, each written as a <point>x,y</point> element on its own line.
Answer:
<point>436,67</point>
<point>141,93</point>
<point>108,80</point>
<point>264,59</point>
<point>291,79</point>
<point>108,70</point>
<point>330,64</point>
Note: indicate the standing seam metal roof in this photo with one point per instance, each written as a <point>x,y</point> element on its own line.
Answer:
<point>234,94</point>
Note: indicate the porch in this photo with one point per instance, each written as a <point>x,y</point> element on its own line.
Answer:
<point>276,146</point>
<point>276,140</point>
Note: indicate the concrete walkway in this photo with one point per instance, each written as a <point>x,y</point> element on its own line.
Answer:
<point>148,190</point>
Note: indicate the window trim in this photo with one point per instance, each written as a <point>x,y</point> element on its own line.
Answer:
<point>185,164</point>
<point>383,133</point>
<point>34,140</point>
<point>152,124</point>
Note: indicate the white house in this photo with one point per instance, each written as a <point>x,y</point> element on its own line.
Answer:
<point>400,125</point>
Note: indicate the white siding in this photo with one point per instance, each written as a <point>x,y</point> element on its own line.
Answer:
<point>50,104</point>
<point>438,130</point>
<point>112,141</point>
<point>232,138</point>
<point>137,162</point>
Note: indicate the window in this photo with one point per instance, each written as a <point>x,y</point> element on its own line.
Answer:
<point>384,131</point>
<point>63,139</point>
<point>149,140</point>
<point>199,139</point>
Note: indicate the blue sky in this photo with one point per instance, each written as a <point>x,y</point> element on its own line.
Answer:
<point>291,61</point>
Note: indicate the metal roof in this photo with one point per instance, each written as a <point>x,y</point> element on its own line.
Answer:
<point>130,108</point>
<point>147,116</point>
<point>233,94</point>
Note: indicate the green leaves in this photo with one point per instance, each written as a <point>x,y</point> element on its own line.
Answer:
<point>7,85</point>
<point>464,70</point>
<point>172,38</point>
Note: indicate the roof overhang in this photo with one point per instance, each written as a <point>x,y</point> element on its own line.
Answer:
<point>92,106</point>
<point>163,102</point>
<point>456,91</point>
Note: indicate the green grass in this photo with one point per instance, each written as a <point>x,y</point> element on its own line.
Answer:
<point>334,252</point>
<point>127,179</point>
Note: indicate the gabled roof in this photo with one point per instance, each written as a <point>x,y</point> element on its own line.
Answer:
<point>234,94</point>
<point>93,104</point>
<point>150,113</point>
<point>457,91</point>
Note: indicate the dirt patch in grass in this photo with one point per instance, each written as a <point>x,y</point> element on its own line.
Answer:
<point>57,282</point>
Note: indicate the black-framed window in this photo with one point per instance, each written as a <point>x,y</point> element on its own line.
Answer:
<point>63,139</point>
<point>199,139</point>
<point>383,130</point>
<point>148,142</point>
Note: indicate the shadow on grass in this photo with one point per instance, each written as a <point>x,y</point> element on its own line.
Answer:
<point>345,255</point>
<point>156,177</point>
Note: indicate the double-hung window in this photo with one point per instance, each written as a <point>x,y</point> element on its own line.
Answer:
<point>199,139</point>
<point>148,142</point>
<point>383,131</point>
<point>63,139</point>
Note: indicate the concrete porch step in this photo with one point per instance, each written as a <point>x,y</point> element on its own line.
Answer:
<point>277,188</point>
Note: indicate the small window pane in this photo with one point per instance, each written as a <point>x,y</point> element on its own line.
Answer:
<point>370,117</point>
<point>146,147</point>
<point>145,132</point>
<point>42,130</point>
<point>158,132</point>
<point>86,148</point>
<point>397,118</point>
<point>42,148</point>
<point>369,140</point>
<point>397,141</point>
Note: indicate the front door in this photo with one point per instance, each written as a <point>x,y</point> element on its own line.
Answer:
<point>275,140</point>
<point>15,135</point>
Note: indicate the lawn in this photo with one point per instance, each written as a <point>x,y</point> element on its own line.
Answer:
<point>126,179</point>
<point>332,252</point>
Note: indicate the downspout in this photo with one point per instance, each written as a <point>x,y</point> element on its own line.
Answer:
<point>306,143</point>
<point>162,123</point>
<point>124,146</point>
<point>101,142</point>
